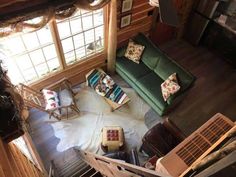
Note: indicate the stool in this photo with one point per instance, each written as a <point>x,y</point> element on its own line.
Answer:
<point>112,138</point>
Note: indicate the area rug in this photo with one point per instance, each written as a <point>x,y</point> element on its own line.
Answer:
<point>84,131</point>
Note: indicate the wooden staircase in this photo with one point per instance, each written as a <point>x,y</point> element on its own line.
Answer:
<point>75,168</point>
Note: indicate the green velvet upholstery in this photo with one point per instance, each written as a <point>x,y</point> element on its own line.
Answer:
<point>133,70</point>
<point>153,91</point>
<point>147,76</point>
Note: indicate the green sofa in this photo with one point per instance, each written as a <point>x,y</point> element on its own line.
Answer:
<point>147,76</point>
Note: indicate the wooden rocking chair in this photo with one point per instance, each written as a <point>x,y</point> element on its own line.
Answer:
<point>35,99</point>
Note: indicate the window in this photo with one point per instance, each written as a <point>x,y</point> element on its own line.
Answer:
<point>29,56</point>
<point>32,56</point>
<point>81,35</point>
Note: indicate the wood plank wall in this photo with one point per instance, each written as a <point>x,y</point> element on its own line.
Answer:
<point>140,20</point>
<point>13,163</point>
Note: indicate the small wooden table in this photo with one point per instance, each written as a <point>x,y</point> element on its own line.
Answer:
<point>113,104</point>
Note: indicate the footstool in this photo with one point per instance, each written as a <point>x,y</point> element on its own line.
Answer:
<point>112,138</point>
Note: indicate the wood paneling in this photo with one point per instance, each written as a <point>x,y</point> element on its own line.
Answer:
<point>13,163</point>
<point>140,20</point>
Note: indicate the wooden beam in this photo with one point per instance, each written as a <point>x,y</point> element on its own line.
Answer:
<point>57,43</point>
<point>112,37</point>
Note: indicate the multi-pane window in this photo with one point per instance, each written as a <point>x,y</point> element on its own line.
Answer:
<point>81,35</point>
<point>31,56</point>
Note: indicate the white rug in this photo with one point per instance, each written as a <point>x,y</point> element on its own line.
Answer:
<point>84,131</point>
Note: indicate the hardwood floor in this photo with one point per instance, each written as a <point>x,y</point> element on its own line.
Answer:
<point>214,91</point>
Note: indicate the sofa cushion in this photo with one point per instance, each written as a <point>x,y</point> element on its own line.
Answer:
<point>165,67</point>
<point>151,53</point>
<point>131,69</point>
<point>151,86</point>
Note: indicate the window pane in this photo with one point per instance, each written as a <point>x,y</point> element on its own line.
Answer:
<point>67,45</point>
<point>30,40</point>
<point>24,62</point>
<point>89,36</point>
<point>13,46</point>
<point>98,19</point>
<point>53,64</point>
<point>70,57</point>
<point>50,52</point>
<point>99,44</point>
<point>42,69</point>
<point>80,53</point>
<point>37,57</point>
<point>99,33</point>
<point>64,29</point>
<point>79,40</point>
<point>14,73</point>
<point>30,75</point>
<point>45,36</point>
<point>76,25</point>
<point>87,21</point>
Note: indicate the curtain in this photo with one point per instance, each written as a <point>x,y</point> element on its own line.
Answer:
<point>24,23</point>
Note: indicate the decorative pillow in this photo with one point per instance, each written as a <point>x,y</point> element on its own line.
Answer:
<point>51,99</point>
<point>170,86</point>
<point>134,51</point>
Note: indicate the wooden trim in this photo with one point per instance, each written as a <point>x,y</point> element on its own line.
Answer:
<point>34,152</point>
<point>106,26</point>
<point>57,43</point>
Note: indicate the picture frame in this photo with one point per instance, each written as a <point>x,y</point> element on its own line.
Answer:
<point>126,5</point>
<point>125,21</point>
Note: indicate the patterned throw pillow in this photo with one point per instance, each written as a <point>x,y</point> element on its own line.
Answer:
<point>170,86</point>
<point>51,99</point>
<point>134,51</point>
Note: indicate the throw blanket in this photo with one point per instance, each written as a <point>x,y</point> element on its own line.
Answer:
<point>104,85</point>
